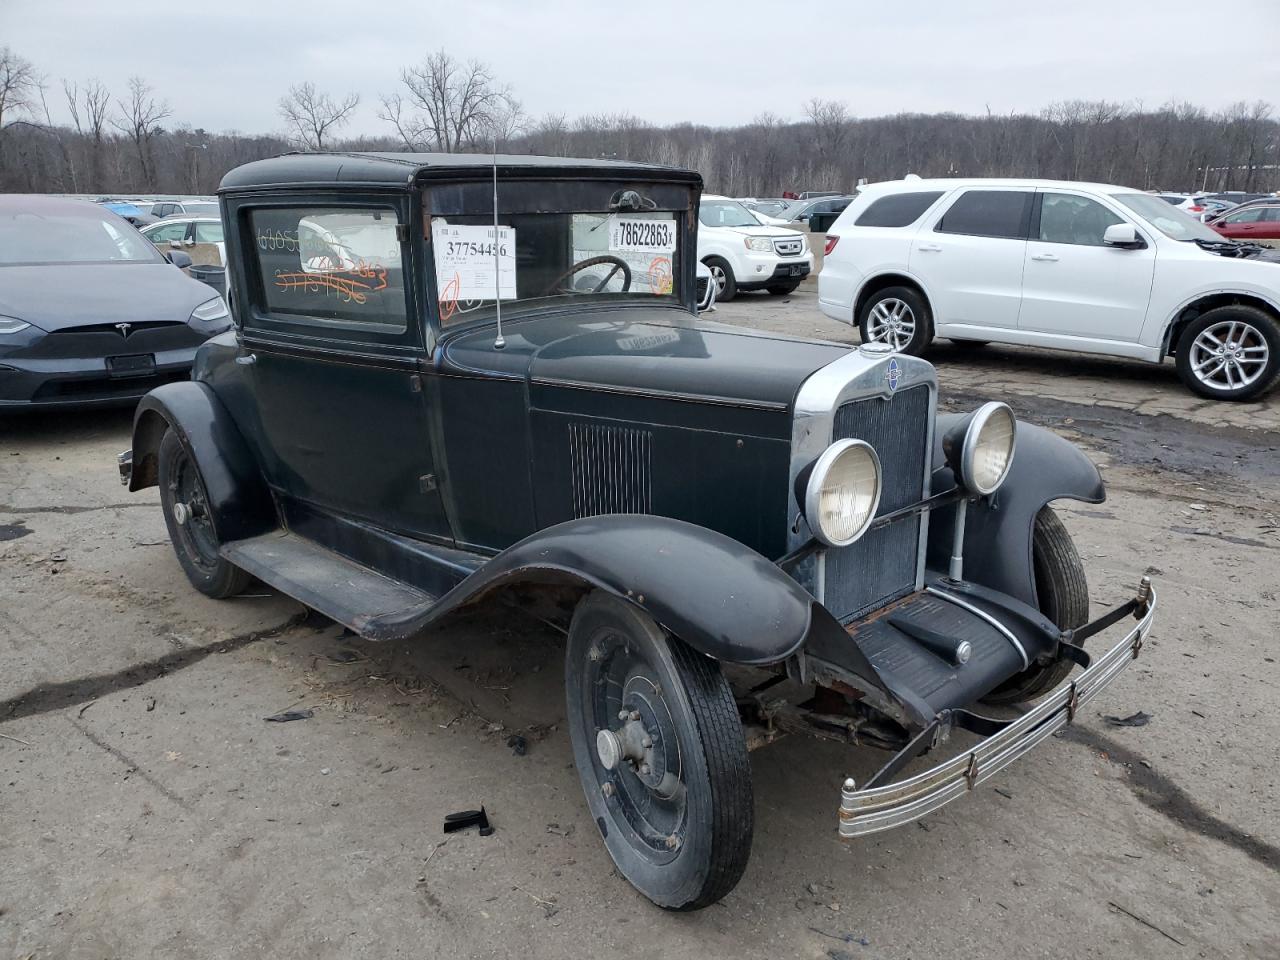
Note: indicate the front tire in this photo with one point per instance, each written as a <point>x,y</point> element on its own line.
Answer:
<point>660,752</point>
<point>722,275</point>
<point>1062,593</point>
<point>1230,353</point>
<point>190,522</point>
<point>898,316</point>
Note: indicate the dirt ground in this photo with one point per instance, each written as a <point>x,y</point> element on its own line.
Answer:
<point>147,810</point>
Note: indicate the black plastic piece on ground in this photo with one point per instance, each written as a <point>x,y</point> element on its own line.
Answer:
<point>468,818</point>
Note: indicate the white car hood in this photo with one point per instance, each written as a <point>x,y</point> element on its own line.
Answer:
<point>761,231</point>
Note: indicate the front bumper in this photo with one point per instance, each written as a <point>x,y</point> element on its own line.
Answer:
<point>882,807</point>
<point>37,384</point>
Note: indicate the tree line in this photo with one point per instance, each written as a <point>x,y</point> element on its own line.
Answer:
<point>124,142</point>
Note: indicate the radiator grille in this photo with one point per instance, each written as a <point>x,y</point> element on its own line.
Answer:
<point>882,565</point>
<point>611,469</point>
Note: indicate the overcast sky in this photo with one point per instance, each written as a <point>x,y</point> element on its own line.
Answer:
<point>224,64</point>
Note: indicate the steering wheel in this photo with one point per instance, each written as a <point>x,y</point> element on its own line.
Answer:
<point>618,264</point>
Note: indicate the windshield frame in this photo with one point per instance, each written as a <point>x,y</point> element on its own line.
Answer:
<point>1150,208</point>
<point>467,200</point>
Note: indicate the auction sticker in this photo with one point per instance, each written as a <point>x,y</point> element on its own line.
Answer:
<point>466,257</point>
<point>637,235</point>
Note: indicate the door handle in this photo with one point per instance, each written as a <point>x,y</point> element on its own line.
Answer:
<point>247,360</point>
<point>1045,258</point>
<point>929,248</point>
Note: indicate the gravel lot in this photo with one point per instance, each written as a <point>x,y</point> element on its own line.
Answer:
<point>146,809</point>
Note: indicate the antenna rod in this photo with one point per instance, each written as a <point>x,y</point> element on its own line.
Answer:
<point>499,342</point>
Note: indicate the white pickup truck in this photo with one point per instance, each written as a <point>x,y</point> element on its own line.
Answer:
<point>743,254</point>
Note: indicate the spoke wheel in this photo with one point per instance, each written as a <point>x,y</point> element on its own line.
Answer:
<point>1230,353</point>
<point>722,274</point>
<point>660,752</point>
<point>898,317</point>
<point>189,518</point>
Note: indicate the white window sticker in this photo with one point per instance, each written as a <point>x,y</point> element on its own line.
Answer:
<point>634,235</point>
<point>466,258</point>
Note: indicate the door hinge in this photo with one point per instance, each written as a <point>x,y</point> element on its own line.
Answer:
<point>402,232</point>
<point>427,483</point>
<point>415,383</point>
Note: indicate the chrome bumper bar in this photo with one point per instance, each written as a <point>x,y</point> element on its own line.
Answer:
<point>883,808</point>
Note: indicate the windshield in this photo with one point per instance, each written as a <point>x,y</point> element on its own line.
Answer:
<point>1169,220</point>
<point>558,242</point>
<point>725,213</point>
<point>70,235</point>
<point>770,208</point>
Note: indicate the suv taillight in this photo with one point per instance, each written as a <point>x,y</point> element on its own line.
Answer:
<point>832,240</point>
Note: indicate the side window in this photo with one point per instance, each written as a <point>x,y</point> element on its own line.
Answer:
<point>897,210</point>
<point>334,264</point>
<point>1252,215</point>
<point>208,232</point>
<point>989,213</point>
<point>1272,215</point>
<point>1065,218</point>
<point>169,231</point>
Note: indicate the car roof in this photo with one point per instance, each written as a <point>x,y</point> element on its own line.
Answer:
<point>401,169</point>
<point>63,206</point>
<point>187,218</point>
<point>898,186</point>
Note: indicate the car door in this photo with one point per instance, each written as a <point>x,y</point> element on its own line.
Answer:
<point>335,347</point>
<point>969,257</point>
<point>1073,283</point>
<point>1244,225</point>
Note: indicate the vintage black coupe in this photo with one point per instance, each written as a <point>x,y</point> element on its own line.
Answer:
<point>459,379</point>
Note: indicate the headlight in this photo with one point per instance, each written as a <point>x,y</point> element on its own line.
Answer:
<point>979,449</point>
<point>759,244</point>
<point>10,325</point>
<point>843,492</point>
<point>211,312</point>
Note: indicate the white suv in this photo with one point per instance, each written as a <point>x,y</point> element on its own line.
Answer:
<point>744,254</point>
<point>1074,266</point>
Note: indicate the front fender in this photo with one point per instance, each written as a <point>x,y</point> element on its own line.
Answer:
<point>999,528</point>
<point>237,492</point>
<point>718,596</point>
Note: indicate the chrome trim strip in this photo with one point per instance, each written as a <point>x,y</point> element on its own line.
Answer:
<point>1017,644</point>
<point>882,808</point>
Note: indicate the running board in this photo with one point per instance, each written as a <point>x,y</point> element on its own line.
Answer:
<point>355,596</point>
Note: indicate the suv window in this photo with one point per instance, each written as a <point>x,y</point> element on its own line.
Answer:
<point>208,232</point>
<point>167,232</point>
<point>1066,218</point>
<point>897,210</point>
<point>1253,215</point>
<point>340,264</point>
<point>989,213</point>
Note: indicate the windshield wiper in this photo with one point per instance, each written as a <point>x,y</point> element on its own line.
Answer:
<point>1229,248</point>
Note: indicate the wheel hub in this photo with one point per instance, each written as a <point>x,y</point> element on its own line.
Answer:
<point>180,513</point>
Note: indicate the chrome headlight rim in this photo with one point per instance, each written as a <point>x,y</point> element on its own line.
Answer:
<point>973,436</point>
<point>813,490</point>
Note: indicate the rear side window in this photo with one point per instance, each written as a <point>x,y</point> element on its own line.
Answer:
<point>989,213</point>
<point>337,264</point>
<point>897,210</point>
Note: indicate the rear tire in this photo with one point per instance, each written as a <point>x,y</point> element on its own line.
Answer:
<point>190,522</point>
<point>675,815</point>
<point>1062,593</point>
<point>1234,343</point>
<point>722,275</point>
<point>900,317</point>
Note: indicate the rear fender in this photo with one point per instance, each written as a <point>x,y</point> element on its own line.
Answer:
<point>238,495</point>
<point>999,528</point>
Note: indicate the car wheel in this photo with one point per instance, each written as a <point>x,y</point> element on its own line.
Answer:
<point>660,752</point>
<point>722,274</point>
<point>782,289</point>
<point>898,316</point>
<point>190,522</point>
<point>1230,353</point>
<point>1062,593</point>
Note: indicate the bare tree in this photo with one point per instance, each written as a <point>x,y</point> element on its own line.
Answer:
<point>830,120</point>
<point>139,120</point>
<point>19,85</point>
<point>311,115</point>
<point>90,108</point>
<point>449,105</point>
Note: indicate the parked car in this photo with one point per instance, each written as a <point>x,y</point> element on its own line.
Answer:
<point>744,254</point>
<point>1257,223</point>
<point>188,232</point>
<point>89,311</point>
<point>173,208</point>
<point>770,207</point>
<point>128,210</point>
<point>1074,266</point>
<point>1211,207</point>
<point>388,447</point>
<point>801,212</point>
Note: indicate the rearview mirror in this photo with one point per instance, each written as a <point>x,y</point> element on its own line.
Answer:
<point>1122,235</point>
<point>178,259</point>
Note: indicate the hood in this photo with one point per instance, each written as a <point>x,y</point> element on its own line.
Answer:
<point>762,230</point>
<point>66,295</point>
<point>660,352</point>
